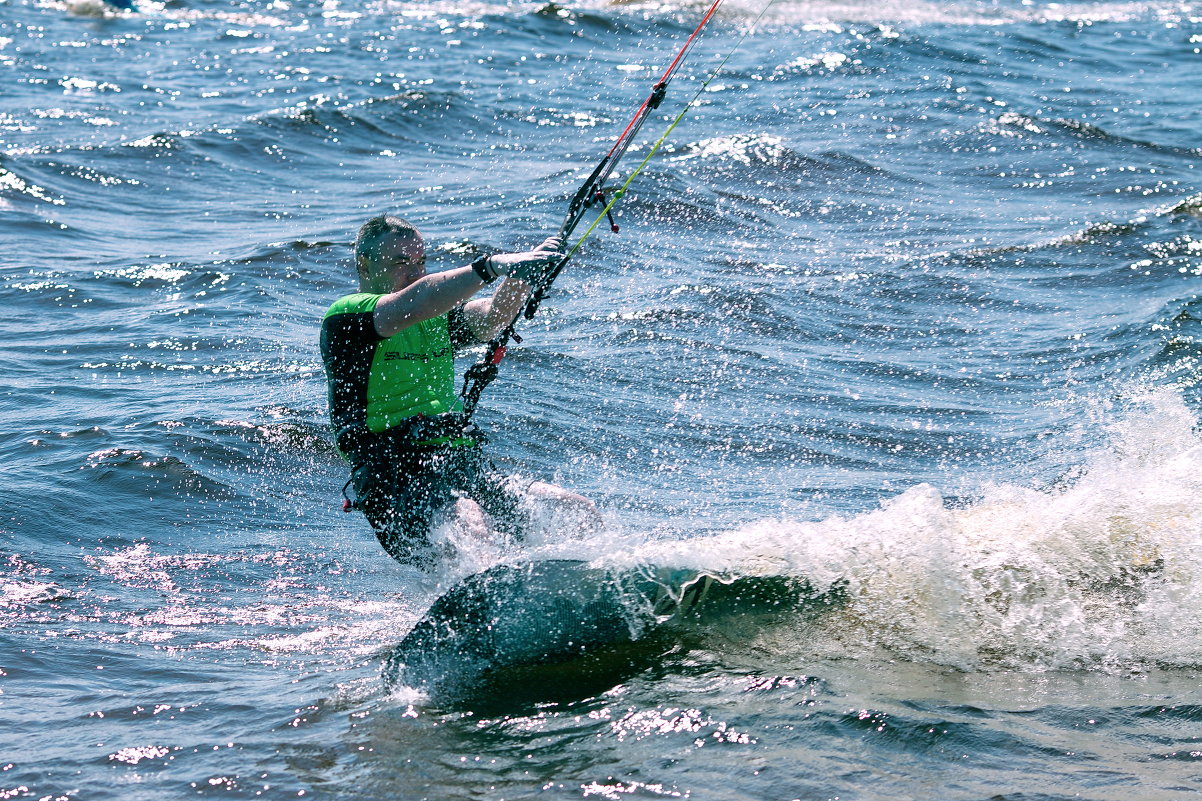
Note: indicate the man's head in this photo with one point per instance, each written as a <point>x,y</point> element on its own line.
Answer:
<point>389,254</point>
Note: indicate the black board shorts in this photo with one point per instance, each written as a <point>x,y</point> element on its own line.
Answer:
<point>405,495</point>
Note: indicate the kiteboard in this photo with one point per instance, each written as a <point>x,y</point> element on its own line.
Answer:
<point>537,615</point>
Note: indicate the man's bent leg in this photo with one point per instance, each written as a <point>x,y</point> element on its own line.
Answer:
<point>515,510</point>
<point>490,492</point>
<point>471,519</point>
<point>401,507</point>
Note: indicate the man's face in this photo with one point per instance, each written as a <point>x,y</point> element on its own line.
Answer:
<point>403,258</point>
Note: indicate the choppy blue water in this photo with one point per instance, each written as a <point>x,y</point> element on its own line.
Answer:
<point>909,304</point>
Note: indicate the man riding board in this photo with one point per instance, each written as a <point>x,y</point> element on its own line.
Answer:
<point>388,354</point>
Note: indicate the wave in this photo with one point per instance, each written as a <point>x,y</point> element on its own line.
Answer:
<point>809,13</point>
<point>154,9</point>
<point>284,133</point>
<point>394,119</point>
<point>767,152</point>
<point>1191,206</point>
<point>267,600</point>
<point>1100,570</point>
<point>243,151</point>
<point>13,186</point>
<point>830,14</point>
<point>1108,232</point>
<point>1177,362</point>
<point>757,180</point>
<point>1016,124</point>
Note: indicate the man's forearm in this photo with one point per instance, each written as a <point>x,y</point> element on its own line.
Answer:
<point>425,299</point>
<point>505,305</point>
<point>486,317</point>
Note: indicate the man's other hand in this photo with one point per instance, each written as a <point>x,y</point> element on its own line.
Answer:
<point>530,265</point>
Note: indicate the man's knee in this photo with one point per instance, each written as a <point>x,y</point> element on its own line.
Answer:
<point>470,516</point>
<point>402,527</point>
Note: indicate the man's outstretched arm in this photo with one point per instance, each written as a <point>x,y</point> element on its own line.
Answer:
<point>434,295</point>
<point>424,299</point>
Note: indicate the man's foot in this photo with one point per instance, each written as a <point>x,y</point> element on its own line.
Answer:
<point>565,512</point>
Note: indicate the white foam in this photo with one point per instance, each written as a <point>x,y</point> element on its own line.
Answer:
<point>824,15</point>
<point>831,15</point>
<point>23,593</point>
<point>1105,571</point>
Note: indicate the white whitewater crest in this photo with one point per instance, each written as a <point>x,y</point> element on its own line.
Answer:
<point>1103,573</point>
<point>827,15</point>
<point>821,13</point>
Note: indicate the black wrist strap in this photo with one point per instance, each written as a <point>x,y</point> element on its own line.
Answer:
<point>480,266</point>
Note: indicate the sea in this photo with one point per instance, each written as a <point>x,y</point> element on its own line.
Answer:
<point>907,307</point>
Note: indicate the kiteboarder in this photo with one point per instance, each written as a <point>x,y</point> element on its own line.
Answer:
<point>416,461</point>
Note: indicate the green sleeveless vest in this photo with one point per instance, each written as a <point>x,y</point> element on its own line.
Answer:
<point>376,383</point>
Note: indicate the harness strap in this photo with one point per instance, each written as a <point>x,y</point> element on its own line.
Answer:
<point>349,504</point>
<point>413,437</point>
